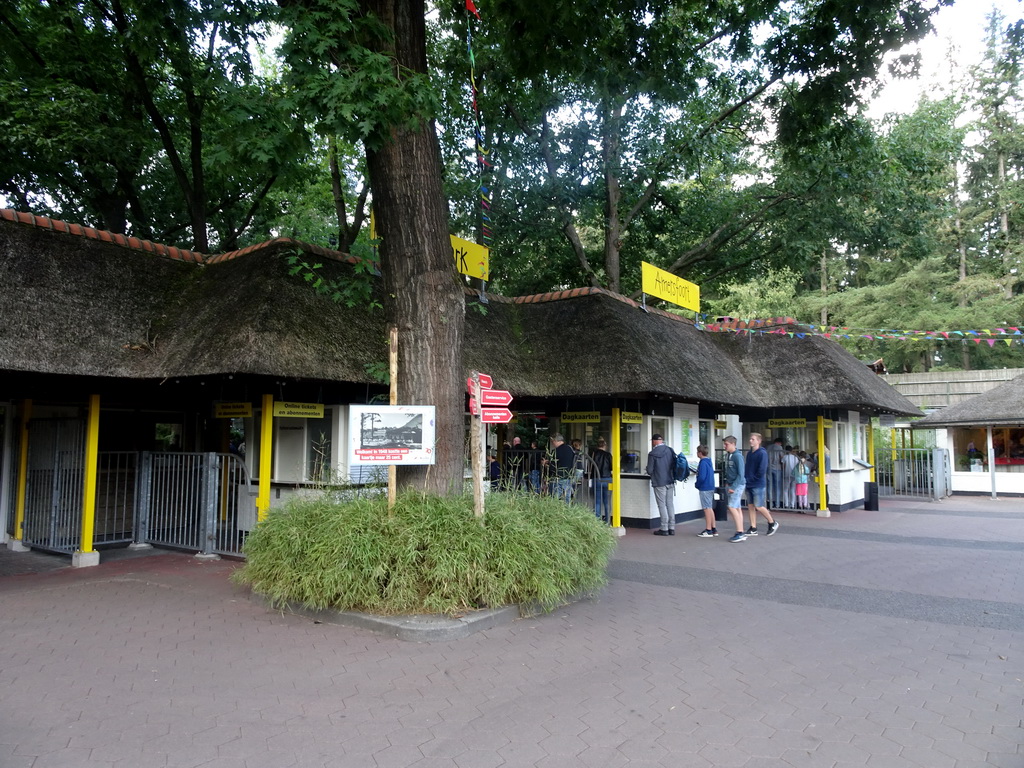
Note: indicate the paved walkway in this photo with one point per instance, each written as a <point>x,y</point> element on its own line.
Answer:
<point>890,639</point>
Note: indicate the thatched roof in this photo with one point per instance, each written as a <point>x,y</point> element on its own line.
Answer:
<point>1000,406</point>
<point>89,303</point>
<point>73,305</point>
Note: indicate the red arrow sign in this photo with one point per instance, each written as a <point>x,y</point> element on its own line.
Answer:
<point>495,415</point>
<point>486,382</point>
<point>495,397</point>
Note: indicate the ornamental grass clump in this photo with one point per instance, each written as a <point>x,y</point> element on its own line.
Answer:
<point>428,555</point>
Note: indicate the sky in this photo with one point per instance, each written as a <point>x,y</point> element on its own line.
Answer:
<point>961,25</point>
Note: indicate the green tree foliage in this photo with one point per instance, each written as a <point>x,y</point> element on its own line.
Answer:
<point>143,116</point>
<point>994,215</point>
<point>626,130</point>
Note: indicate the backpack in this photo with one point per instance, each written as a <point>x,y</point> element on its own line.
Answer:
<point>681,470</point>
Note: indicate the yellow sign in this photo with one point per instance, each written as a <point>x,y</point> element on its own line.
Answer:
<point>471,259</point>
<point>665,285</point>
<point>827,423</point>
<point>232,410</point>
<point>782,423</point>
<point>580,417</point>
<point>299,410</point>
<point>628,417</point>
<point>721,425</point>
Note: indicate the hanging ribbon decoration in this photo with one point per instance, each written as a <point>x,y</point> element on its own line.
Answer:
<point>482,153</point>
<point>1008,335</point>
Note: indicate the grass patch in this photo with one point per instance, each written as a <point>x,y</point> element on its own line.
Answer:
<point>430,556</point>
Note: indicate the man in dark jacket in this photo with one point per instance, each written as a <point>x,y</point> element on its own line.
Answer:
<point>660,466</point>
<point>757,472</point>
<point>560,468</point>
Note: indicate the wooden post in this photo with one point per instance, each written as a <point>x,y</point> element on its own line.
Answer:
<point>476,448</point>
<point>393,376</point>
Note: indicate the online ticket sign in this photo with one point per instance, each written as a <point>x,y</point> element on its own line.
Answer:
<point>664,285</point>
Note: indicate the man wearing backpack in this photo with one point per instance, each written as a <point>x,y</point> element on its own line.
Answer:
<point>661,467</point>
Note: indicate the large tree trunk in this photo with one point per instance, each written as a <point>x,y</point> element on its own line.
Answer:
<point>426,299</point>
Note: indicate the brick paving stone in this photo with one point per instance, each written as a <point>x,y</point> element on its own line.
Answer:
<point>847,641</point>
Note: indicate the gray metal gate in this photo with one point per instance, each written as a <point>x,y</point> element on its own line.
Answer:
<point>54,488</point>
<point>196,501</point>
<point>915,472</point>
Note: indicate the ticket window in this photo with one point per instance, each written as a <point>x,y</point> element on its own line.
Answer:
<point>631,448</point>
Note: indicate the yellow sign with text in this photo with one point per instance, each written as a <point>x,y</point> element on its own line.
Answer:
<point>232,410</point>
<point>471,259</point>
<point>783,423</point>
<point>629,417</point>
<point>721,424</point>
<point>299,410</point>
<point>665,285</point>
<point>580,417</point>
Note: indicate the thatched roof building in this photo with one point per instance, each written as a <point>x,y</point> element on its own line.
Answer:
<point>76,301</point>
<point>998,407</point>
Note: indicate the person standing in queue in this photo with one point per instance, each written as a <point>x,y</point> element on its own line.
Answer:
<point>705,485</point>
<point>602,469</point>
<point>660,464</point>
<point>733,479</point>
<point>756,473</point>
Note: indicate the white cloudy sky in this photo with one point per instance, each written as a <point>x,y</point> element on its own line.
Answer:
<point>961,25</point>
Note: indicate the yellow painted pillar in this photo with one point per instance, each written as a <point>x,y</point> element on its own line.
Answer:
<point>19,503</point>
<point>822,484</point>
<point>871,451</point>
<point>266,457</point>
<point>616,484</point>
<point>92,460</point>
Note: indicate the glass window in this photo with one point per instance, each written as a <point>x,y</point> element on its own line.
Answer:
<point>841,449</point>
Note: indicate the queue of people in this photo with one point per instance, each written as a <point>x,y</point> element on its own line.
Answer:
<point>765,479</point>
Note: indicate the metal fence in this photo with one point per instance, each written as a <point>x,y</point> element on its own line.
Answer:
<point>915,472</point>
<point>196,501</point>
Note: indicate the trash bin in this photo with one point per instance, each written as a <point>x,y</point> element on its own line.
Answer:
<point>871,497</point>
<point>721,504</point>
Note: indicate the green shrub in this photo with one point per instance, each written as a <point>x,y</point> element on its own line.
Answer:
<point>431,555</point>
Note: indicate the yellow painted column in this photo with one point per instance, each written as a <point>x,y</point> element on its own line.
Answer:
<point>266,457</point>
<point>92,460</point>
<point>871,450</point>
<point>616,484</point>
<point>822,484</point>
<point>19,503</point>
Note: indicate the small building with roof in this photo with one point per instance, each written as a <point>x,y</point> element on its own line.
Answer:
<point>984,435</point>
<point>192,392</point>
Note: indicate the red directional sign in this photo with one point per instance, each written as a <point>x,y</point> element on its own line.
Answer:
<point>486,382</point>
<point>495,397</point>
<point>495,415</point>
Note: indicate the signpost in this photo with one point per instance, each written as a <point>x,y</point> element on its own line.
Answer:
<point>495,415</point>
<point>479,386</point>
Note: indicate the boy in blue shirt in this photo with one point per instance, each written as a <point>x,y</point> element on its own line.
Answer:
<point>706,487</point>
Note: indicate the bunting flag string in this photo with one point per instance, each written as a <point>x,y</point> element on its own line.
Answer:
<point>483,154</point>
<point>1008,335</point>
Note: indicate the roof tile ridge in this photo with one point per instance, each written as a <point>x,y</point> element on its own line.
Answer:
<point>101,235</point>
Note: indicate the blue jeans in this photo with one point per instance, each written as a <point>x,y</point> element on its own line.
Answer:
<point>602,498</point>
<point>533,480</point>
<point>562,489</point>
<point>775,495</point>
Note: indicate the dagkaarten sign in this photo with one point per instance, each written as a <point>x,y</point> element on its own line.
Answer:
<point>581,417</point>
<point>630,417</point>
<point>784,423</point>
<point>665,285</point>
<point>390,434</point>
